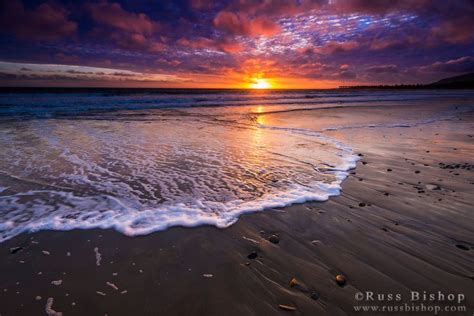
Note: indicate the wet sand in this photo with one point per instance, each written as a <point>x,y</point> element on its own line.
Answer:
<point>404,222</point>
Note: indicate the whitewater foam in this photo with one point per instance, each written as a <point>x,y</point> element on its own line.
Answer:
<point>140,177</point>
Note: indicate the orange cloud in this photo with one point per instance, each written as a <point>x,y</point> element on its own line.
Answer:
<point>240,24</point>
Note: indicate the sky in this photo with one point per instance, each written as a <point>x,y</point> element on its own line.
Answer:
<point>235,43</point>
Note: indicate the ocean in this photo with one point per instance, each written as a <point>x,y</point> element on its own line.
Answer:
<point>143,160</point>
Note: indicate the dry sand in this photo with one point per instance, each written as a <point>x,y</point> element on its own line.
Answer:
<point>410,228</point>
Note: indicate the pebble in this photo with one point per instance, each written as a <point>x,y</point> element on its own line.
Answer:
<point>207,275</point>
<point>294,282</point>
<point>98,256</point>
<point>287,307</point>
<point>112,285</point>
<point>38,298</point>
<point>362,204</point>
<point>389,170</point>
<point>252,255</point>
<point>49,308</point>
<point>274,239</point>
<point>433,187</point>
<point>46,253</point>
<point>315,296</point>
<point>463,247</point>
<point>57,282</point>
<point>14,250</point>
<point>340,280</point>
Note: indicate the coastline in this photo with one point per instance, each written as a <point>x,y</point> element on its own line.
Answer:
<point>408,240</point>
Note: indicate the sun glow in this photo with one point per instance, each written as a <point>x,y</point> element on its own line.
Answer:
<point>260,83</point>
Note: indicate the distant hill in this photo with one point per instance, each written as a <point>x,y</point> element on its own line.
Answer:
<point>465,81</point>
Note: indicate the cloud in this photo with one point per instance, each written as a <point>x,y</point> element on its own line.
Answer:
<point>240,24</point>
<point>47,22</point>
<point>383,69</point>
<point>378,6</point>
<point>460,65</point>
<point>48,72</point>
<point>456,30</point>
<point>114,16</point>
<point>127,30</point>
<point>334,47</point>
<point>453,20</point>
<point>207,43</point>
<point>274,8</point>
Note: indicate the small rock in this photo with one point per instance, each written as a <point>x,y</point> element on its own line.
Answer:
<point>294,282</point>
<point>389,170</point>
<point>463,247</point>
<point>38,298</point>
<point>340,280</point>
<point>57,282</point>
<point>362,204</point>
<point>252,255</point>
<point>417,171</point>
<point>46,253</point>
<point>207,275</point>
<point>112,285</point>
<point>287,307</point>
<point>274,239</point>
<point>315,296</point>
<point>364,162</point>
<point>433,187</point>
<point>15,250</point>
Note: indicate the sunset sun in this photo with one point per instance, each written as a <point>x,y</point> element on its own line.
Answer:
<point>260,83</point>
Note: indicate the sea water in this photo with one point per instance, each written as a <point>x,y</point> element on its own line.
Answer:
<point>141,161</point>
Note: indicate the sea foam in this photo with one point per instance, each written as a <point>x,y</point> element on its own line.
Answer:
<point>163,170</point>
